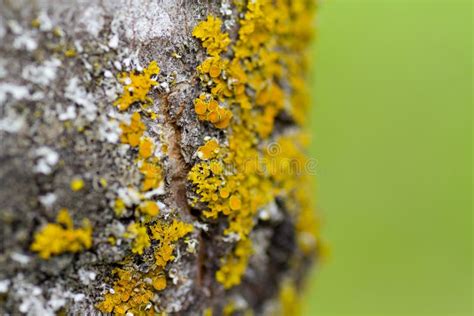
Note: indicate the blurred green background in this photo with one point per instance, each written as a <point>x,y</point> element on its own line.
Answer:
<point>392,135</point>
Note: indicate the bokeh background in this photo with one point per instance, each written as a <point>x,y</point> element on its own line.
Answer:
<point>392,135</point>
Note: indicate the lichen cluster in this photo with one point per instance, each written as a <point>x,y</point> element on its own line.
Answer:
<point>134,290</point>
<point>177,147</point>
<point>56,238</point>
<point>256,77</point>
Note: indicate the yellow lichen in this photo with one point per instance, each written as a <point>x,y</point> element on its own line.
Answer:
<point>234,203</point>
<point>137,86</point>
<point>138,233</point>
<point>229,308</point>
<point>260,76</point>
<point>133,290</point>
<point>71,52</point>
<point>152,174</point>
<point>149,208</point>
<point>60,237</point>
<point>167,235</point>
<point>130,294</point>
<point>132,133</point>
<point>289,299</point>
<point>145,149</point>
<point>207,311</point>
<point>209,110</point>
<point>119,207</point>
<point>35,23</point>
<point>159,282</point>
<point>208,150</point>
<point>103,182</point>
<point>233,266</point>
<point>209,32</point>
<point>77,184</point>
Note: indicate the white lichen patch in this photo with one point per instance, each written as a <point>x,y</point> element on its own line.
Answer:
<point>91,20</point>
<point>270,212</point>
<point>129,196</point>
<point>114,41</point>
<point>4,285</point>
<point>109,130</point>
<point>47,158</point>
<point>21,258</point>
<point>68,114</point>
<point>34,301</point>
<point>155,192</point>
<point>42,74</point>
<point>25,41</point>
<point>143,20</point>
<point>77,93</point>
<point>17,92</point>
<point>15,27</point>
<point>45,23</point>
<point>47,200</point>
<point>86,276</point>
<point>11,122</point>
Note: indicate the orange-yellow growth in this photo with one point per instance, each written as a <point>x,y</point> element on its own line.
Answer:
<point>132,133</point>
<point>209,32</point>
<point>56,238</point>
<point>137,86</point>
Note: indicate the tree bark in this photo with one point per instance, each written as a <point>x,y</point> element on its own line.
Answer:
<point>67,143</point>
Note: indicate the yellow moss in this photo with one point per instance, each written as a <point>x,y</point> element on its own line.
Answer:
<point>132,289</point>
<point>77,184</point>
<point>60,237</point>
<point>112,240</point>
<point>137,86</point>
<point>139,234</point>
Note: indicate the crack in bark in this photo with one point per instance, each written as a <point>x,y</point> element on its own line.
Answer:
<point>178,168</point>
<point>178,173</point>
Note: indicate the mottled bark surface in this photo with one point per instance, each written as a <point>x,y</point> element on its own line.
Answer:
<point>59,62</point>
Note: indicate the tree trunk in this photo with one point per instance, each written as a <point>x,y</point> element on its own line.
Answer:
<point>153,157</point>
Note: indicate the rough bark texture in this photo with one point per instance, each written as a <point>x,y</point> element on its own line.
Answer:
<point>63,147</point>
